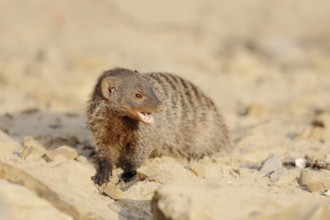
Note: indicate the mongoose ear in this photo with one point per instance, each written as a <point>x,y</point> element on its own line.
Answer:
<point>108,86</point>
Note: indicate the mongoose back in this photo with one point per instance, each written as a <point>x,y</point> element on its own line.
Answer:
<point>133,116</point>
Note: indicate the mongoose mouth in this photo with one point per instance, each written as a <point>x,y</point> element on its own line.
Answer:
<point>145,117</point>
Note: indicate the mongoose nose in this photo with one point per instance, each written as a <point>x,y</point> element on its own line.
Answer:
<point>161,108</point>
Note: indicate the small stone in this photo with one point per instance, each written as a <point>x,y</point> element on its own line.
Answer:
<point>312,209</point>
<point>270,165</point>
<point>288,178</point>
<point>327,158</point>
<point>65,151</point>
<point>318,186</point>
<point>318,133</point>
<point>4,211</point>
<point>167,205</point>
<point>198,169</point>
<point>326,192</point>
<point>26,152</point>
<point>313,133</point>
<point>300,162</point>
<point>315,180</point>
<point>142,172</point>
<point>324,119</point>
<point>32,148</point>
<point>167,172</point>
<point>59,158</point>
<point>114,192</point>
<point>82,159</point>
<point>277,174</point>
<point>188,202</point>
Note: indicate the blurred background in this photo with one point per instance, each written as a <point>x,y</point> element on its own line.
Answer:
<point>253,57</point>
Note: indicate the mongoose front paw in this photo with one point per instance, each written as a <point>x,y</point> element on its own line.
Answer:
<point>101,178</point>
<point>127,176</point>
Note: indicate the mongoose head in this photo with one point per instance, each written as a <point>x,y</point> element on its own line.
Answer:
<point>129,94</point>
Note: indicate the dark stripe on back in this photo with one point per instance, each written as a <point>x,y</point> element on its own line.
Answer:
<point>158,82</point>
<point>156,78</point>
<point>170,80</point>
<point>181,90</point>
<point>195,90</point>
<point>187,87</point>
<point>170,85</point>
<point>184,83</point>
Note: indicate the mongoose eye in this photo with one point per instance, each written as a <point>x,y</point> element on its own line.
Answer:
<point>139,96</point>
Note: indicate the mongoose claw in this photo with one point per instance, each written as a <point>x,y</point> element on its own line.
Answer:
<point>101,178</point>
<point>127,176</point>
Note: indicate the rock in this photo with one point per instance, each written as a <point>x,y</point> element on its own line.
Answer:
<point>69,192</point>
<point>143,172</point>
<point>32,149</point>
<point>8,146</point>
<point>65,152</point>
<point>198,169</point>
<point>176,203</point>
<point>167,172</point>
<point>166,205</point>
<point>323,119</point>
<point>73,198</point>
<point>313,133</point>
<point>300,162</point>
<point>270,165</point>
<point>327,158</point>
<point>60,158</point>
<point>141,190</point>
<point>19,198</point>
<point>4,211</point>
<point>82,159</point>
<point>132,199</point>
<point>311,209</point>
<point>195,202</point>
<point>315,180</point>
<point>278,174</point>
<point>54,142</point>
<point>288,178</point>
<point>273,168</point>
<point>114,192</point>
<point>326,193</point>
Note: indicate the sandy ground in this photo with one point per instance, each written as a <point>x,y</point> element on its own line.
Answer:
<point>266,65</point>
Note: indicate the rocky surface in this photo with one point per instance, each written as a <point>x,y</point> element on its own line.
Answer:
<point>265,64</point>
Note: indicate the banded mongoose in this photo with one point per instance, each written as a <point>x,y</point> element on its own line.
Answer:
<point>126,131</point>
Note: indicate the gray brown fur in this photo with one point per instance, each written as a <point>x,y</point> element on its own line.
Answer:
<point>191,127</point>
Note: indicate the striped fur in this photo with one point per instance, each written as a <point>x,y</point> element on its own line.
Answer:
<point>192,126</point>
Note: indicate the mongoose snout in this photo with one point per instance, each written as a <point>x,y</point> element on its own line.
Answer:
<point>145,116</point>
<point>185,121</point>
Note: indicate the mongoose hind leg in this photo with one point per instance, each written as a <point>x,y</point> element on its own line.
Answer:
<point>104,170</point>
